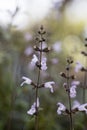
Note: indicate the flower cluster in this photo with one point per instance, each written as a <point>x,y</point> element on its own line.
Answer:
<point>75,108</point>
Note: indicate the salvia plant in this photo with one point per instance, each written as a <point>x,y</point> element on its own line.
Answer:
<point>70,87</point>
<point>39,61</point>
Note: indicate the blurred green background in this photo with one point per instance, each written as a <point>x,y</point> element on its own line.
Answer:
<point>65,25</point>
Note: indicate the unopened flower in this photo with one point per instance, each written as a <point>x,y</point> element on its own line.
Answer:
<point>34,60</point>
<point>49,85</point>
<point>32,110</point>
<point>26,81</point>
<point>43,64</point>
<point>61,108</point>
<point>78,66</point>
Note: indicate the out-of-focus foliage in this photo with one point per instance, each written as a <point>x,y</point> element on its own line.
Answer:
<point>16,50</point>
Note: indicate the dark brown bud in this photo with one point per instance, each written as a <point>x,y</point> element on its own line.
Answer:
<point>36,48</point>
<point>73,77</point>
<point>69,60</point>
<point>74,110</point>
<point>44,32</point>
<point>83,69</point>
<point>67,111</point>
<point>39,32</point>
<point>34,85</point>
<point>37,39</point>
<point>43,39</point>
<point>38,65</point>
<point>84,53</point>
<point>63,75</point>
<point>67,68</point>
<point>46,49</point>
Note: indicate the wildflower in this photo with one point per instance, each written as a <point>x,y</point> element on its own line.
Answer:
<point>61,108</point>
<point>43,64</point>
<point>73,88</point>
<point>32,110</point>
<point>34,60</point>
<point>49,85</point>
<point>78,66</point>
<point>83,108</point>
<point>26,81</point>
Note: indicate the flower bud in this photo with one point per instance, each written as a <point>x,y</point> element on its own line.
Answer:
<point>63,75</point>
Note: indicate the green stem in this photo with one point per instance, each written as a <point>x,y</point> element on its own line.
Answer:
<point>38,80</point>
<point>69,101</point>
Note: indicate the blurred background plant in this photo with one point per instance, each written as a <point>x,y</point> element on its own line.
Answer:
<point>66,26</point>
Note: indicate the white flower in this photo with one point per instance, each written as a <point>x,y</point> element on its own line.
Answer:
<point>34,60</point>
<point>73,91</point>
<point>43,64</point>
<point>78,66</point>
<point>49,85</point>
<point>26,81</point>
<point>73,88</point>
<point>32,110</point>
<point>61,108</point>
<point>83,108</point>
